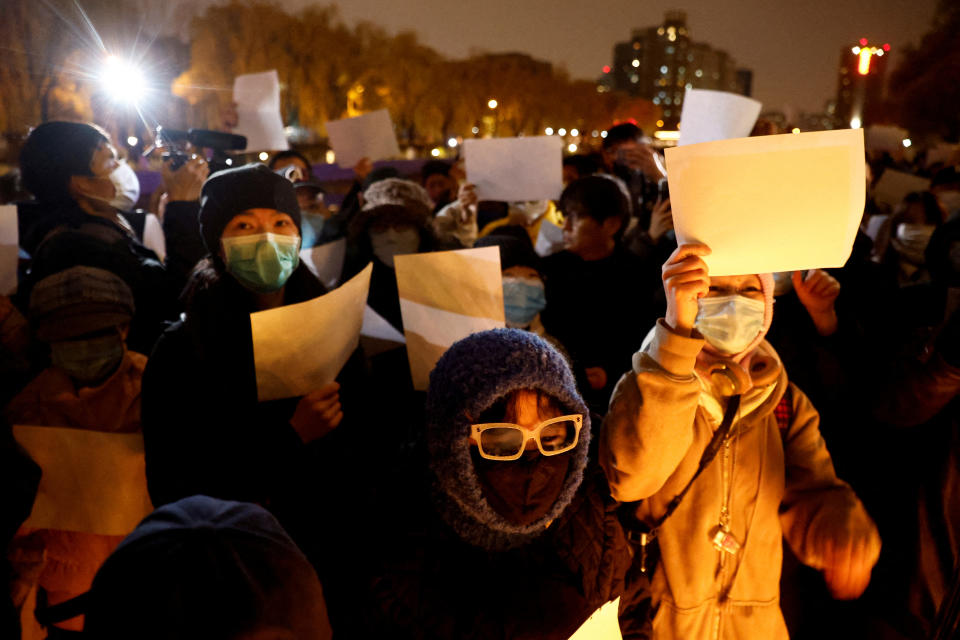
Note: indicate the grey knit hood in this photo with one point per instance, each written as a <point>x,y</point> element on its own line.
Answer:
<point>469,378</point>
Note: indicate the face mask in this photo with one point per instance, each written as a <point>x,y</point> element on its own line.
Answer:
<point>311,228</point>
<point>262,262</point>
<point>527,212</point>
<point>523,299</point>
<point>392,242</point>
<point>522,490</point>
<point>88,361</point>
<point>730,323</point>
<point>911,241</point>
<point>127,188</point>
<point>782,283</point>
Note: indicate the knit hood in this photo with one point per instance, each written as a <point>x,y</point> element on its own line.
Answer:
<point>469,378</point>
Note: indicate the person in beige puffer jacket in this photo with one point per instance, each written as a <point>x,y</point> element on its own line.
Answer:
<point>721,549</point>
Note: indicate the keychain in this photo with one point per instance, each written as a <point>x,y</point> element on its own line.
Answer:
<point>724,541</point>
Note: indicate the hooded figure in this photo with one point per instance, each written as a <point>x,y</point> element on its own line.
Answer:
<point>704,365</point>
<point>207,568</point>
<point>512,533</point>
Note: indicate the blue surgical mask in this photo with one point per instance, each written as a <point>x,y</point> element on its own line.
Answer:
<point>311,228</point>
<point>523,299</point>
<point>88,361</point>
<point>730,323</point>
<point>262,262</point>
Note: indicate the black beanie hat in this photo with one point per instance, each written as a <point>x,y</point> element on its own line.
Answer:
<point>514,251</point>
<point>227,193</point>
<point>53,153</point>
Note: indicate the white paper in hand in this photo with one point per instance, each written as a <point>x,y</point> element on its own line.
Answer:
<point>9,249</point>
<point>770,203</point>
<point>603,624</point>
<point>515,169</point>
<point>368,136</point>
<point>549,239</point>
<point>257,96</point>
<point>716,115</point>
<point>894,185</point>
<point>326,261</point>
<point>300,347</point>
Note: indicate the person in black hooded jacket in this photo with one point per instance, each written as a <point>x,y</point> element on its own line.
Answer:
<point>500,532</point>
<point>205,432</point>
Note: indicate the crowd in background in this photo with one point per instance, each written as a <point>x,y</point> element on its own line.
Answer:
<point>420,514</point>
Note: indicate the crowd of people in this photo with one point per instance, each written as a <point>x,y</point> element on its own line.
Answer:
<point>752,456</point>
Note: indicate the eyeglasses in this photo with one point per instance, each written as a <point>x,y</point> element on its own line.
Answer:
<point>504,441</point>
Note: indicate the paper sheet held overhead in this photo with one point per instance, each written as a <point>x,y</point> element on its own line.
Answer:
<point>257,96</point>
<point>9,249</point>
<point>446,296</point>
<point>368,136</point>
<point>515,169</point>
<point>770,203</point>
<point>298,348</point>
<point>716,115</point>
<point>92,481</point>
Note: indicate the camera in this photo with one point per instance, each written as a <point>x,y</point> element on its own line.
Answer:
<point>179,146</point>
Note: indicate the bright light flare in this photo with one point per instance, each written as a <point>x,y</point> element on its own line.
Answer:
<point>561,132</point>
<point>863,67</point>
<point>452,143</point>
<point>435,152</point>
<point>122,80</point>
<point>795,131</point>
<point>492,103</point>
<point>548,131</point>
<point>132,141</point>
<point>574,132</point>
<point>263,156</point>
<point>855,122</point>
<point>666,135</point>
<point>907,142</point>
<point>572,148</point>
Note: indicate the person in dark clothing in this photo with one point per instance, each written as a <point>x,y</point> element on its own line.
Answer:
<point>207,568</point>
<point>600,297</point>
<point>204,430</point>
<point>73,172</point>
<point>439,185</point>
<point>499,531</point>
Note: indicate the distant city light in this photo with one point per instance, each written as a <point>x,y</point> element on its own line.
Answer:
<point>886,47</point>
<point>863,42</point>
<point>548,131</point>
<point>879,52</point>
<point>635,63</point>
<point>475,130</point>
<point>659,123</point>
<point>855,50</point>
<point>572,148</point>
<point>228,161</point>
<point>907,142</point>
<point>795,130</point>
<point>574,132</point>
<point>863,68</point>
<point>452,142</point>
<point>330,156</point>
<point>666,135</point>
<point>606,68</point>
<point>561,132</point>
<point>435,152</point>
<point>663,68</point>
<point>132,141</point>
<point>603,134</point>
<point>122,81</point>
<point>855,122</point>
<point>263,156</point>
<point>492,103</point>
<point>595,133</point>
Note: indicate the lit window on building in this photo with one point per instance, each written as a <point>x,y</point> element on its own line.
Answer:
<point>635,63</point>
<point>668,101</point>
<point>682,70</point>
<point>698,73</point>
<point>670,50</point>
<point>656,100</point>
<point>663,68</point>
<point>660,31</point>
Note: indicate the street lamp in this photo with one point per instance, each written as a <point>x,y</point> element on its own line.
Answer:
<point>492,103</point>
<point>122,80</point>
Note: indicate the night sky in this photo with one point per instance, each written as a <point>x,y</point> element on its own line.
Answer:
<point>792,47</point>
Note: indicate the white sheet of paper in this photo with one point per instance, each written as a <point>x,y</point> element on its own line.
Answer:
<point>376,326</point>
<point>716,115</point>
<point>894,185</point>
<point>943,152</point>
<point>9,249</point>
<point>300,347</point>
<point>368,136</point>
<point>326,261</point>
<point>549,239</point>
<point>446,296</point>
<point>603,624</point>
<point>770,203</point>
<point>257,96</point>
<point>515,169</point>
<point>92,481</point>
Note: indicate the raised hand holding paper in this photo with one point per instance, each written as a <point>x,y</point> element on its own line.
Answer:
<point>446,296</point>
<point>9,249</point>
<point>257,96</point>
<point>368,136</point>
<point>716,115</point>
<point>515,169</point>
<point>300,347</point>
<point>770,203</point>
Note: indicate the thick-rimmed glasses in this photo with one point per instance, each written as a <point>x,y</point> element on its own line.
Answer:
<point>505,441</point>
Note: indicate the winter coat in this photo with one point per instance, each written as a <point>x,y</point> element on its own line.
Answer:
<point>783,486</point>
<point>429,583</point>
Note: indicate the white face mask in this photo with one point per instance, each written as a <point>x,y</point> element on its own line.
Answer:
<point>730,323</point>
<point>392,242</point>
<point>127,187</point>
<point>912,240</point>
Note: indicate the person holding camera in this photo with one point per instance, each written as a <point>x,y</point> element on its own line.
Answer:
<point>727,458</point>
